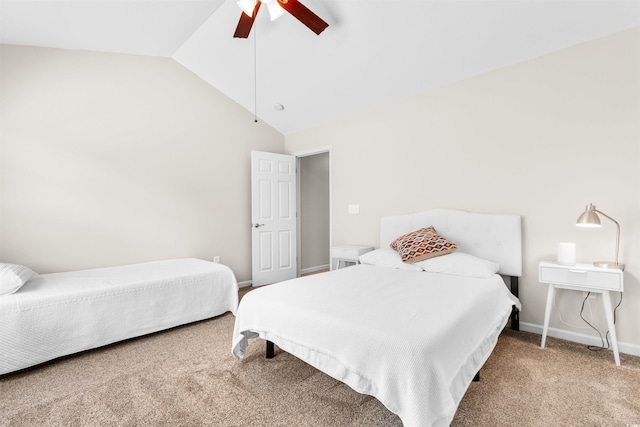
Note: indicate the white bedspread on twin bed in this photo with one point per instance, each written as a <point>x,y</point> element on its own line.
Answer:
<point>414,340</point>
<point>57,314</point>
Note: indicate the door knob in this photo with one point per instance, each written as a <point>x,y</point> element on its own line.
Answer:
<point>256,225</point>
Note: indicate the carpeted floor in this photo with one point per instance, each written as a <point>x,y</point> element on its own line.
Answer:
<point>187,377</point>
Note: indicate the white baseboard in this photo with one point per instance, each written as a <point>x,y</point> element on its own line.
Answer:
<point>303,271</point>
<point>632,349</point>
<point>314,269</point>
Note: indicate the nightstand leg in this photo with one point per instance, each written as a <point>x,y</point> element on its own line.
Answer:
<point>547,313</point>
<point>606,300</point>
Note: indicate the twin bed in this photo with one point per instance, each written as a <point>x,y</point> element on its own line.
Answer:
<point>53,315</point>
<point>413,335</point>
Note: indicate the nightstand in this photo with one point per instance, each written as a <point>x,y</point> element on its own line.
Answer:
<point>347,254</point>
<point>586,278</point>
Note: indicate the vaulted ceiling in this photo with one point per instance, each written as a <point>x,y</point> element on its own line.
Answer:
<point>374,52</point>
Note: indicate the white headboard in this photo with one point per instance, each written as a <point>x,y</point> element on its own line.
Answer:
<point>496,237</point>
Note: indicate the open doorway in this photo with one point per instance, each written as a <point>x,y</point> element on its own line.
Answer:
<point>314,210</point>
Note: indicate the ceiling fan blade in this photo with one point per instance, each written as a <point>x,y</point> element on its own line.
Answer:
<point>304,15</point>
<point>246,22</point>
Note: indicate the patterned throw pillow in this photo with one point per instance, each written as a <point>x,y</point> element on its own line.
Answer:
<point>422,244</point>
<point>394,244</point>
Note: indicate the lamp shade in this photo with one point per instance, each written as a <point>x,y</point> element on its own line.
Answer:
<point>589,218</point>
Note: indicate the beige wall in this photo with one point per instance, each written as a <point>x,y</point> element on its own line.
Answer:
<point>109,159</point>
<point>540,139</point>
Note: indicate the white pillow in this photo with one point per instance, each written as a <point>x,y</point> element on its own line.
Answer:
<point>387,258</point>
<point>460,264</point>
<point>13,276</point>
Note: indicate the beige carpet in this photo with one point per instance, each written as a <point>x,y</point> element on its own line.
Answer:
<point>187,377</point>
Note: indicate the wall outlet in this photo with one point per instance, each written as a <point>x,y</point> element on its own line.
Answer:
<point>591,295</point>
<point>354,209</point>
<point>216,258</point>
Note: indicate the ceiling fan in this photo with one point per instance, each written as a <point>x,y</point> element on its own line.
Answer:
<point>276,9</point>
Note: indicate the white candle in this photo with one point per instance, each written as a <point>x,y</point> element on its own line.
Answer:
<point>566,253</point>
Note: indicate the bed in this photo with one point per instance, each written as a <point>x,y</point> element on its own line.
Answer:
<point>413,335</point>
<point>53,315</point>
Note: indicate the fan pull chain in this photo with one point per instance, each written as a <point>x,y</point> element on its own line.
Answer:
<point>255,76</point>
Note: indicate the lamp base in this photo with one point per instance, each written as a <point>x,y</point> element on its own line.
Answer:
<point>608,264</point>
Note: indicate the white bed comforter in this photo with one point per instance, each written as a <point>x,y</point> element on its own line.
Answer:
<point>58,314</point>
<point>414,340</point>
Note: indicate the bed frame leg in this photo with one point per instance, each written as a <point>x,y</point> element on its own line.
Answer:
<point>477,377</point>
<point>515,319</point>
<point>515,313</point>
<point>270,350</point>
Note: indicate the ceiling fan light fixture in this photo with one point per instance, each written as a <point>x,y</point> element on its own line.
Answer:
<point>247,6</point>
<point>275,10</point>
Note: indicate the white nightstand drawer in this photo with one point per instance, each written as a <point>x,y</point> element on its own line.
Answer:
<point>579,275</point>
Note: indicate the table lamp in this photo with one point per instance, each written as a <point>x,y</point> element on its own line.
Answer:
<point>589,218</point>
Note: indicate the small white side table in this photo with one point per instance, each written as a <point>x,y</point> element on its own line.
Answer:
<point>347,254</point>
<point>586,278</point>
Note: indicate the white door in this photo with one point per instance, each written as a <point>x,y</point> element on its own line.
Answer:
<point>273,216</point>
